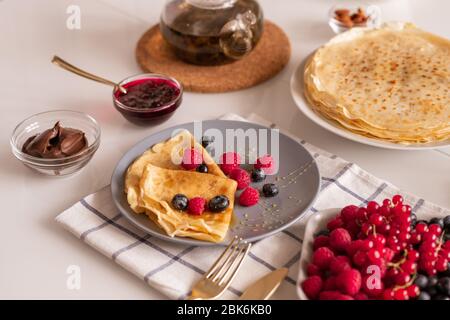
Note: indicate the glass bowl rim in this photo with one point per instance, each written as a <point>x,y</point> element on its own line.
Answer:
<point>59,161</point>
<point>120,105</point>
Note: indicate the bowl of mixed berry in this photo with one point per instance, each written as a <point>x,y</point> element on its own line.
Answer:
<point>149,98</point>
<point>379,251</point>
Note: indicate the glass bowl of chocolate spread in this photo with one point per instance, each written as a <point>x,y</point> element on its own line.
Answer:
<point>56,143</point>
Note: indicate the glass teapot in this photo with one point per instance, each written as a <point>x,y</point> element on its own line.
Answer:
<point>211,32</point>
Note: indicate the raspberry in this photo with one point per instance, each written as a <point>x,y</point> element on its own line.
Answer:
<point>192,158</point>
<point>349,213</point>
<point>333,295</point>
<point>330,284</point>
<point>339,264</point>
<point>249,197</point>
<point>335,223</point>
<point>322,257</point>
<point>313,270</point>
<point>340,239</point>
<point>360,296</point>
<point>312,286</point>
<point>349,281</point>
<point>196,206</point>
<point>242,178</point>
<point>266,163</point>
<point>321,241</point>
<point>229,162</point>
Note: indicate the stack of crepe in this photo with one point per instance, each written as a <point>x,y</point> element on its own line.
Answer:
<point>390,83</point>
<point>154,178</point>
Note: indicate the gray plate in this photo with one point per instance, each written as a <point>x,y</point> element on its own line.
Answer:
<point>270,216</point>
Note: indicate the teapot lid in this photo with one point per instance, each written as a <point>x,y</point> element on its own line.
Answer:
<point>212,4</point>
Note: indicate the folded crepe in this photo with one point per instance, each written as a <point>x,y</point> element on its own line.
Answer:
<point>156,176</point>
<point>158,186</point>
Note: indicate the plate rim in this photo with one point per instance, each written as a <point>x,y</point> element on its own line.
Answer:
<point>296,88</point>
<point>195,242</point>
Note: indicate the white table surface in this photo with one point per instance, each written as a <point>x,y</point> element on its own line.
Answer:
<point>35,252</point>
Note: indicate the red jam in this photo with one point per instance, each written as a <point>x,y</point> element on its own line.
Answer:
<point>148,93</point>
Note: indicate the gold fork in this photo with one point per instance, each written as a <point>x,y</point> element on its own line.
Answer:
<point>219,277</point>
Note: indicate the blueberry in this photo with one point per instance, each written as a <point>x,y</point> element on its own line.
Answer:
<point>438,221</point>
<point>218,204</point>
<point>258,175</point>
<point>180,202</point>
<point>432,291</point>
<point>447,222</point>
<point>444,286</point>
<point>432,281</point>
<point>206,141</point>
<point>203,168</point>
<point>421,281</point>
<point>424,296</point>
<point>270,190</point>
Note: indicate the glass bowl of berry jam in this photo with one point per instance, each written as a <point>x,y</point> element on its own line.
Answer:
<point>150,98</point>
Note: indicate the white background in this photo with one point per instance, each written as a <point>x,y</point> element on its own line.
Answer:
<point>34,250</point>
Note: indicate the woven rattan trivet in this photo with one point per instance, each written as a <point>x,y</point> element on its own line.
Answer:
<point>268,58</point>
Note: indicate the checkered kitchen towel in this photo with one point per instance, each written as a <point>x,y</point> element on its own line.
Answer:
<point>172,268</point>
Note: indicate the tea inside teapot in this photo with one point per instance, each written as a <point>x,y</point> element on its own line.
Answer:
<point>210,32</point>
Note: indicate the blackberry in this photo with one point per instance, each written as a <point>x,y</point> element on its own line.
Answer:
<point>218,204</point>
<point>203,168</point>
<point>180,202</point>
<point>270,190</point>
<point>258,175</point>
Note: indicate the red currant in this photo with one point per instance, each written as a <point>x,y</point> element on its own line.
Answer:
<point>361,214</point>
<point>401,294</point>
<point>384,228</point>
<point>366,228</point>
<point>415,238</point>
<point>402,278</point>
<point>421,228</point>
<point>385,210</point>
<point>387,202</point>
<point>413,291</point>
<point>373,255</point>
<point>429,237</point>
<point>441,264</point>
<point>404,236</point>
<point>409,267</point>
<point>388,254</point>
<point>435,229</point>
<point>388,294</point>
<point>413,255</point>
<point>376,219</point>
<point>397,199</point>
<point>372,207</point>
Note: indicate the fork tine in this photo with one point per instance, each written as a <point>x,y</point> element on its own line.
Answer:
<point>233,269</point>
<point>231,256</point>
<point>215,265</point>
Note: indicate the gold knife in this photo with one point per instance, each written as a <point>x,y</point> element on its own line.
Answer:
<point>263,288</point>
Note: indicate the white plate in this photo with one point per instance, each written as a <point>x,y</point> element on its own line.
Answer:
<point>316,223</point>
<point>300,101</point>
